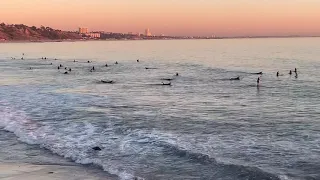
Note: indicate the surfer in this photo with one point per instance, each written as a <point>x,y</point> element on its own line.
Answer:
<point>138,60</point>
<point>106,65</point>
<point>177,74</point>
<point>278,74</point>
<point>258,73</point>
<point>166,84</point>
<point>233,79</point>
<point>116,62</point>
<point>258,81</point>
<point>290,72</point>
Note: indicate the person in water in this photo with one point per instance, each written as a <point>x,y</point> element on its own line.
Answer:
<point>58,67</point>
<point>66,72</point>
<point>237,78</point>
<point>116,62</point>
<point>70,69</point>
<point>278,74</point>
<point>93,68</point>
<point>177,74</point>
<point>258,81</point>
<point>106,65</point>
<point>290,72</point>
<point>138,60</point>
<point>295,70</point>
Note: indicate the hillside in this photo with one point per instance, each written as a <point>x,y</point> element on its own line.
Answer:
<point>22,32</point>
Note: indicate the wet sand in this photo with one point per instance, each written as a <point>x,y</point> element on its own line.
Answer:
<point>18,171</point>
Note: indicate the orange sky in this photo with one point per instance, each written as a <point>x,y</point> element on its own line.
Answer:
<point>171,17</point>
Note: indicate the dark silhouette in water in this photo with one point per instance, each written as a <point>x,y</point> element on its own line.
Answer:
<point>97,148</point>
<point>58,67</point>
<point>50,63</point>
<point>45,58</point>
<point>235,79</point>
<point>61,65</point>
<point>65,68</point>
<point>93,68</point>
<point>106,65</point>
<point>278,74</point>
<point>166,84</point>
<point>257,73</point>
<point>295,70</point>
<point>66,72</point>
<point>149,68</point>
<point>258,81</point>
<point>116,62</point>
<point>177,74</point>
<point>69,69</point>
<point>138,60</point>
<point>290,72</point>
<point>108,82</point>
<point>89,61</point>
<point>22,58</point>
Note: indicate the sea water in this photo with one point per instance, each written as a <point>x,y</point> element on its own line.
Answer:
<point>203,126</point>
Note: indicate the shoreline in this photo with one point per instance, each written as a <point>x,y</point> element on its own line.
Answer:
<point>91,40</point>
<point>18,171</point>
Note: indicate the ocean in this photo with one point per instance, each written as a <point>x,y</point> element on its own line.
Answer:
<point>202,126</point>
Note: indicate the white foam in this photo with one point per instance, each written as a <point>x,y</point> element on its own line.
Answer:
<point>71,140</point>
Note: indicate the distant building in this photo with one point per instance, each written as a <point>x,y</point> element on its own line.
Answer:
<point>83,30</point>
<point>147,32</point>
<point>93,34</point>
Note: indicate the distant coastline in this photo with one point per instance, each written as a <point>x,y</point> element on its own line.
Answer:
<point>100,40</point>
<point>20,33</point>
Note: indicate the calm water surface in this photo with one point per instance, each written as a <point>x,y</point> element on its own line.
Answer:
<point>204,126</point>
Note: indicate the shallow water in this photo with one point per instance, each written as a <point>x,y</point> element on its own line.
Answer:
<point>204,126</point>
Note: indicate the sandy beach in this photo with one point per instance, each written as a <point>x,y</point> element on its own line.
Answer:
<point>15,171</point>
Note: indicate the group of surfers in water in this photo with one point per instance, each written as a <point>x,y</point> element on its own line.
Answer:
<point>165,84</point>
<point>260,73</point>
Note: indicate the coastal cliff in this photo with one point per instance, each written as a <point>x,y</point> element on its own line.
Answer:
<point>20,32</point>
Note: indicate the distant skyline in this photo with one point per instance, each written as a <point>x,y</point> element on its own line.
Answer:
<point>170,17</point>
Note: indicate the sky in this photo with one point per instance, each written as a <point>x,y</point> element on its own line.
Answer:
<point>170,17</point>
